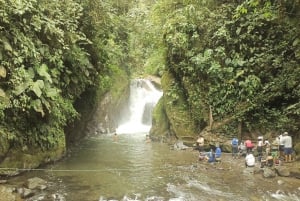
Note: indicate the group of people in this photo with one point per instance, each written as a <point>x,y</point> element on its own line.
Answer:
<point>268,153</point>
<point>214,155</point>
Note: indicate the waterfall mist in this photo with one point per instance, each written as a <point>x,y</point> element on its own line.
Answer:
<point>143,97</point>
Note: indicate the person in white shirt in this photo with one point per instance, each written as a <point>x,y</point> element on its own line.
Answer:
<point>268,147</point>
<point>286,140</point>
<point>250,160</point>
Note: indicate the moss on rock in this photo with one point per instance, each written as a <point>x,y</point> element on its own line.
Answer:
<point>172,116</point>
<point>19,159</point>
<point>160,122</point>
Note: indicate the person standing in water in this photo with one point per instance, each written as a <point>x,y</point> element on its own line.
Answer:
<point>249,145</point>
<point>286,140</point>
<point>115,137</point>
<point>234,147</point>
<point>148,139</point>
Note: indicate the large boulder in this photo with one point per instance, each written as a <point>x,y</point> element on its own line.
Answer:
<point>36,183</point>
<point>297,148</point>
<point>171,117</point>
<point>282,171</point>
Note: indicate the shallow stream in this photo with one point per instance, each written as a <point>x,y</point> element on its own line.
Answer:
<point>129,168</point>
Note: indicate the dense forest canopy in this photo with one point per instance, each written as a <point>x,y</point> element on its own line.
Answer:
<point>51,52</point>
<point>236,60</point>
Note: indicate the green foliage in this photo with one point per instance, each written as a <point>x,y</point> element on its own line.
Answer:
<point>51,53</point>
<point>244,67</point>
<point>44,68</point>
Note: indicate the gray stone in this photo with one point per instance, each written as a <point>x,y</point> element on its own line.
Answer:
<point>269,173</point>
<point>36,183</point>
<point>283,172</point>
<point>25,192</point>
<point>295,172</point>
<point>180,146</point>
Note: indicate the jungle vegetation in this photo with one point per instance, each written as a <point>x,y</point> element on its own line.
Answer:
<point>237,63</point>
<point>237,60</point>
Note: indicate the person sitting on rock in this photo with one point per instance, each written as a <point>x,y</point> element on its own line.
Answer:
<point>250,160</point>
<point>234,147</point>
<point>200,144</point>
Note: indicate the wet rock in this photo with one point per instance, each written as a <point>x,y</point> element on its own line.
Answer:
<point>3,181</point>
<point>36,183</point>
<point>180,146</point>
<point>269,173</point>
<point>6,194</point>
<point>257,170</point>
<point>39,197</point>
<point>25,192</point>
<point>58,197</point>
<point>282,171</point>
<point>295,172</point>
<point>226,147</point>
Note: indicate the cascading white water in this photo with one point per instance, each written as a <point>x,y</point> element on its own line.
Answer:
<point>143,97</point>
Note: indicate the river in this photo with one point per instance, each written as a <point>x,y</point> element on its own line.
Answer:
<point>129,168</point>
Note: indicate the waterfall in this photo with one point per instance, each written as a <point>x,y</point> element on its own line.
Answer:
<point>143,97</point>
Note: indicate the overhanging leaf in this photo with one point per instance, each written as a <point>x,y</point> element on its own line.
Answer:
<point>51,92</point>
<point>21,88</point>
<point>2,71</point>
<point>43,71</point>
<point>37,86</point>
<point>37,106</point>
<point>7,46</point>
<point>2,93</point>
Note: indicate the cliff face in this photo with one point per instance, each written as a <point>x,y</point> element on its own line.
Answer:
<point>171,118</point>
<point>102,115</point>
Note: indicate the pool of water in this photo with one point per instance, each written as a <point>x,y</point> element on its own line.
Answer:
<point>130,168</point>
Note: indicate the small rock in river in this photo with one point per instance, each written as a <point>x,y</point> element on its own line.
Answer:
<point>280,182</point>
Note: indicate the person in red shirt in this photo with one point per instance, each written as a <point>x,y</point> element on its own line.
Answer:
<point>249,145</point>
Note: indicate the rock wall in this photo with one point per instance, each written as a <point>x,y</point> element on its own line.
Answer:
<point>171,119</point>
<point>19,159</point>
